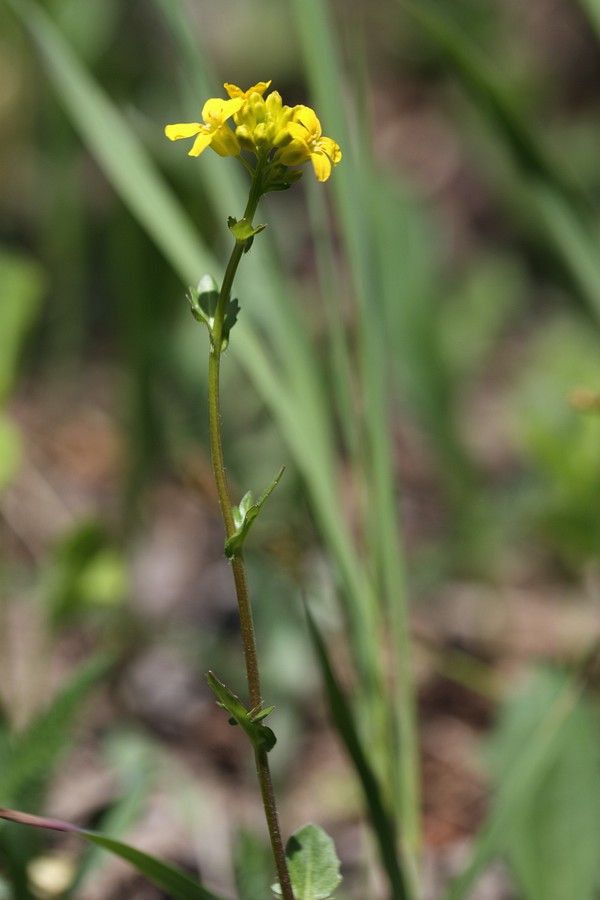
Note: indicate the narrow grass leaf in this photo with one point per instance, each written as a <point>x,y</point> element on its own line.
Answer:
<point>121,156</point>
<point>299,407</point>
<point>552,847</point>
<point>489,94</point>
<point>352,187</point>
<point>21,287</point>
<point>343,721</point>
<point>517,788</point>
<point>174,881</point>
<point>592,8</point>
<point>561,207</point>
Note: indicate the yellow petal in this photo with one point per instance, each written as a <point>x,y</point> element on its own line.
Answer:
<point>298,133</point>
<point>321,165</point>
<point>331,149</point>
<point>224,142</point>
<point>216,110</point>
<point>234,91</point>
<point>294,154</point>
<point>175,132</point>
<point>203,141</point>
<point>307,117</point>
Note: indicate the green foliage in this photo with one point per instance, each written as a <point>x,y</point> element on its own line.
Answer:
<point>559,441</point>
<point>203,302</point>
<point>28,759</point>
<point>10,450</point>
<point>86,572</point>
<point>547,728</point>
<point>552,843</point>
<point>178,885</point>
<point>343,720</point>
<point>313,864</point>
<point>245,514</point>
<point>560,209</point>
<point>250,721</point>
<point>477,312</point>
<point>243,231</point>
<point>252,865</point>
<point>410,334</point>
<point>21,287</point>
<point>171,879</point>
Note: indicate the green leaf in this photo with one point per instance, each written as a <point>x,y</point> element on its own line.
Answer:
<point>548,863</point>
<point>10,450</point>
<point>312,863</point>
<point>543,737</point>
<point>243,230</point>
<point>203,301</point>
<point>560,205</point>
<point>86,571</point>
<point>341,714</point>
<point>245,514</point>
<point>174,881</point>
<point>123,159</point>
<point>252,865</point>
<point>261,737</point>
<point>21,287</point>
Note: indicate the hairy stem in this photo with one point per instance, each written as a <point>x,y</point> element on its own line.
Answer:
<point>239,571</point>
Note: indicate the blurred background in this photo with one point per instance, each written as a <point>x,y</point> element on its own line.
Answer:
<point>418,336</point>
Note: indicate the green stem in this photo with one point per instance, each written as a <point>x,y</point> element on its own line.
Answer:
<point>239,571</point>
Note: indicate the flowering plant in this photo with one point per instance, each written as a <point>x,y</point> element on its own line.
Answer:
<point>280,138</point>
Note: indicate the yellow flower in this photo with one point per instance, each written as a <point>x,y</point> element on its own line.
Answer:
<point>307,142</point>
<point>278,135</point>
<point>234,91</point>
<point>215,133</point>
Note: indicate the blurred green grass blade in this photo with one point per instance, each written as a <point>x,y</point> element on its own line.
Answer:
<point>10,450</point>
<point>552,847</point>
<point>592,8</point>
<point>121,156</point>
<point>174,881</point>
<point>21,289</point>
<point>517,788</point>
<point>561,207</point>
<point>252,865</point>
<point>488,93</point>
<point>27,760</point>
<point>351,184</point>
<point>299,406</point>
<point>343,721</point>
<point>572,238</point>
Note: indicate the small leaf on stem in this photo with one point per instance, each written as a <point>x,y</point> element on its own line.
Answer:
<point>203,302</point>
<point>261,737</point>
<point>245,514</point>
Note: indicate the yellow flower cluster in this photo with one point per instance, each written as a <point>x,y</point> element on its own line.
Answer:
<point>263,126</point>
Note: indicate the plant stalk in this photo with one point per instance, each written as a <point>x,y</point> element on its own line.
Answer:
<point>239,571</point>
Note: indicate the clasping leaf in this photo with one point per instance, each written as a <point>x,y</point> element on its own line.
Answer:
<point>245,514</point>
<point>261,736</point>
<point>243,231</point>
<point>203,303</point>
